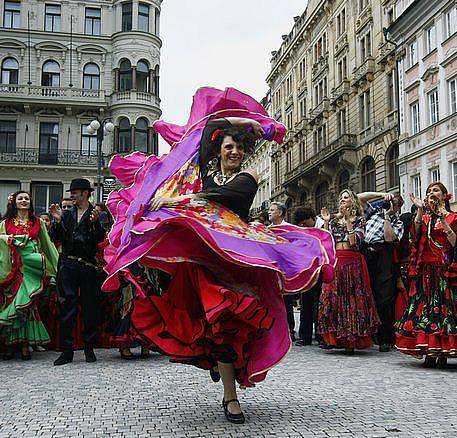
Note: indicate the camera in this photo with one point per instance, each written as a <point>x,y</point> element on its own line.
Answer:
<point>387,205</point>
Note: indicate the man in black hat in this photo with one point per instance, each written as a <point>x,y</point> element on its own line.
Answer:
<point>79,231</point>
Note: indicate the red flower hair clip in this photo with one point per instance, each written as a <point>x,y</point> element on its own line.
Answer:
<point>448,197</point>
<point>216,133</point>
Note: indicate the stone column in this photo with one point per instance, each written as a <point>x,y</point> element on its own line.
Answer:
<point>116,79</point>
<point>132,137</point>
<point>133,77</point>
<point>135,15</point>
<point>151,81</point>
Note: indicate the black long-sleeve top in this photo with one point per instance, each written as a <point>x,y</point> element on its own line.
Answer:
<point>78,239</point>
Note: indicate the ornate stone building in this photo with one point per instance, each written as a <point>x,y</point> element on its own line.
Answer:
<point>64,63</point>
<point>332,84</point>
<point>426,34</point>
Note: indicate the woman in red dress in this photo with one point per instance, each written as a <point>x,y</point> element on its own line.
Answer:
<point>347,311</point>
<point>429,324</point>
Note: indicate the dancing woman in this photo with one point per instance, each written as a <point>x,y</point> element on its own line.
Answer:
<point>429,324</point>
<point>186,214</point>
<point>347,311</point>
<point>28,263</point>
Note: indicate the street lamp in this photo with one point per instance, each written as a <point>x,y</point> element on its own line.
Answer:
<point>108,128</point>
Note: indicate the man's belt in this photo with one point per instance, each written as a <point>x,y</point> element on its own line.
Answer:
<point>82,261</point>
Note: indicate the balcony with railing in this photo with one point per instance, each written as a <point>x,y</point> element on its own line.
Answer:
<point>33,156</point>
<point>365,72</point>
<point>59,95</point>
<point>319,110</point>
<point>344,142</point>
<point>133,96</point>
<point>341,92</point>
<point>319,66</point>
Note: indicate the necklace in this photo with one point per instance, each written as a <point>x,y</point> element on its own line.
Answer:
<point>25,225</point>
<point>222,179</point>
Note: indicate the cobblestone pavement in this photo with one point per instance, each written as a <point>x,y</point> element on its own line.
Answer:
<point>312,393</point>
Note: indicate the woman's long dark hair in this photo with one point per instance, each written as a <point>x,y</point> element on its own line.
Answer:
<point>444,191</point>
<point>11,209</point>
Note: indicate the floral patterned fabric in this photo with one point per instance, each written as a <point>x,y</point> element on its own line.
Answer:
<point>429,324</point>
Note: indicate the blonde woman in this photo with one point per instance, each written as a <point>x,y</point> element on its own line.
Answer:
<point>347,311</point>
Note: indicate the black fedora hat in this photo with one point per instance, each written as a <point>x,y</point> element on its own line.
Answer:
<point>80,184</point>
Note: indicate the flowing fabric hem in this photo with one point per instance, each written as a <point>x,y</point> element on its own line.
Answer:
<point>359,342</point>
<point>421,344</point>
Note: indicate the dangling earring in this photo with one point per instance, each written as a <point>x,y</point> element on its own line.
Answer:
<point>213,165</point>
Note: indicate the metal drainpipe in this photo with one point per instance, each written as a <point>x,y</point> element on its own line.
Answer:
<point>385,31</point>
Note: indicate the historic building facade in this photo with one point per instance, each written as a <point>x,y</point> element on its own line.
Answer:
<point>63,64</point>
<point>426,34</point>
<point>332,84</point>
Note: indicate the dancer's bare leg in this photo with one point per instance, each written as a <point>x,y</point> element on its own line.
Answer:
<point>227,372</point>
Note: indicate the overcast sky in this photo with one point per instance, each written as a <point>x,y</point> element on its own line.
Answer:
<point>219,43</point>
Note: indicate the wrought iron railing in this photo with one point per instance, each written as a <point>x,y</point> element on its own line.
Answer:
<point>65,157</point>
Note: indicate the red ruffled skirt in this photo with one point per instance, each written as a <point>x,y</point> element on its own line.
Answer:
<point>347,311</point>
<point>198,321</point>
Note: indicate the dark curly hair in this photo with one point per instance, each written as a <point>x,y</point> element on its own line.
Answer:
<point>11,209</point>
<point>240,136</point>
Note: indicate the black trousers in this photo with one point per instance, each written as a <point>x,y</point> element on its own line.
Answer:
<point>78,282</point>
<point>380,262</point>
<point>308,313</point>
<point>289,303</point>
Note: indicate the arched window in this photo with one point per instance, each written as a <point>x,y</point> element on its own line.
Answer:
<point>343,180</point>
<point>141,136</point>
<point>156,81</point>
<point>125,76</point>
<point>321,196</point>
<point>91,77</point>
<point>304,198</point>
<point>10,71</point>
<point>50,76</point>
<point>289,204</point>
<point>393,176</point>
<point>125,136</point>
<point>142,76</point>
<point>368,174</point>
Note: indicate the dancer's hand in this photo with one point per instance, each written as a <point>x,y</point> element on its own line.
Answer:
<point>257,129</point>
<point>416,201</point>
<point>94,216</point>
<point>325,214</point>
<point>158,202</point>
<point>56,212</point>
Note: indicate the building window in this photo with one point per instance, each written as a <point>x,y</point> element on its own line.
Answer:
<point>450,22</point>
<point>392,166</point>
<point>430,39</point>
<point>12,15</point>
<point>362,5</point>
<point>433,106</point>
<point>288,161</point>
<point>141,136</point>
<point>290,120</point>
<point>125,136</point>
<point>321,196</point>
<point>302,69</point>
<point>10,71</point>
<point>365,47</point>
<point>320,48</point>
<point>143,17</point>
<point>302,147</point>
<point>8,136</point>
<point>343,180</point>
<point>415,117</point>
<point>390,91</point>
<point>342,69</point>
<point>125,76</point>
<point>365,109</point>
<point>49,143</point>
<point>91,77</point>
<point>454,175</point>
<point>52,18</point>
<point>127,17</point>
<point>45,194</point>
<point>302,106</point>
<point>157,22</point>
<point>412,53</point>
<point>390,16</point>
<point>50,76</point>
<point>93,22</point>
<point>368,175</point>
<point>341,23</point>
<point>416,186</point>
<point>88,142</point>
<point>341,122</point>
<point>435,175</point>
<point>142,76</point>
<point>320,137</point>
<point>277,174</point>
<point>452,87</point>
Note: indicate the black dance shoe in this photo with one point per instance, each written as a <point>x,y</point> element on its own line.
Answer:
<point>430,362</point>
<point>233,418</point>
<point>384,348</point>
<point>90,355</point>
<point>215,376</point>
<point>64,358</point>
<point>441,362</point>
<point>145,353</point>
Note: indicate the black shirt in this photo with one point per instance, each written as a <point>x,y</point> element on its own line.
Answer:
<point>78,239</point>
